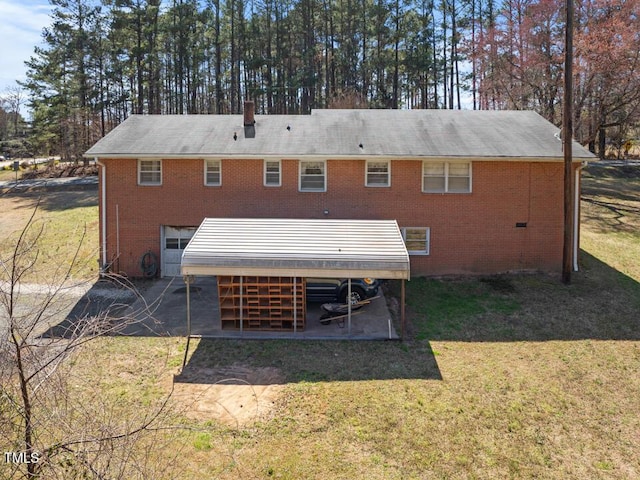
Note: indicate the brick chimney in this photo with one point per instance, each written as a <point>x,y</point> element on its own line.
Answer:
<point>249,112</point>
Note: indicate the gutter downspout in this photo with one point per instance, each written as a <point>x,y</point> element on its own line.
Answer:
<point>576,216</point>
<point>103,213</point>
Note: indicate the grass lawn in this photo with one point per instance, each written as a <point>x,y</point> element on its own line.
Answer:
<point>503,377</point>
<point>67,220</point>
<point>7,175</point>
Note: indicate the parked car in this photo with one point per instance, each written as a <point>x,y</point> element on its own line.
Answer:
<point>336,289</point>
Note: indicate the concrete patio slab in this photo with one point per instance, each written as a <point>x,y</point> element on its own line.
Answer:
<point>167,305</point>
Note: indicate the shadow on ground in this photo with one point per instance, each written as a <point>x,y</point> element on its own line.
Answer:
<point>105,307</point>
<point>311,361</point>
<point>601,303</point>
<point>54,194</point>
<point>157,308</point>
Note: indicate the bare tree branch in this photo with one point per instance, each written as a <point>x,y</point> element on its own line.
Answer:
<point>39,415</point>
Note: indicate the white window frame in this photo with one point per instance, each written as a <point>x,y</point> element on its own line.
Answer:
<point>427,249</point>
<point>324,175</point>
<point>206,172</point>
<point>266,183</point>
<point>158,170</point>
<point>367,173</point>
<point>447,176</point>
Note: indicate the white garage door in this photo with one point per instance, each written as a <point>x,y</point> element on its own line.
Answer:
<point>174,241</point>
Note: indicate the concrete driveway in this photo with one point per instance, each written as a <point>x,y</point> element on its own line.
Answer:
<point>165,301</point>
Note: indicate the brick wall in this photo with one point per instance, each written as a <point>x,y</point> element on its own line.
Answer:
<point>470,233</point>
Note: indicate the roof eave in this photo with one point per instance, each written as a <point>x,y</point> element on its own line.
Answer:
<point>252,270</point>
<point>364,156</point>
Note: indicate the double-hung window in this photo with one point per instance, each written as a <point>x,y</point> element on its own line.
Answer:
<point>378,173</point>
<point>313,176</point>
<point>213,173</point>
<point>272,173</point>
<point>149,172</point>
<point>417,240</point>
<point>446,177</point>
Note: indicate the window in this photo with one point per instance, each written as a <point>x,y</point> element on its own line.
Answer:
<point>312,177</point>
<point>149,172</point>
<point>378,174</point>
<point>417,240</point>
<point>176,243</point>
<point>433,177</point>
<point>459,178</point>
<point>272,173</point>
<point>446,177</point>
<point>213,173</point>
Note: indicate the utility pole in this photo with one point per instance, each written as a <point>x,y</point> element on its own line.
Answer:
<point>567,137</point>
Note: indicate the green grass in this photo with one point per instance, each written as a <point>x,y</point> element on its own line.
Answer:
<point>8,175</point>
<point>65,224</point>
<point>502,377</point>
<point>444,308</point>
<point>514,376</point>
<point>202,441</point>
<point>601,303</point>
<point>501,410</point>
<point>515,409</point>
<point>611,216</point>
<point>316,361</point>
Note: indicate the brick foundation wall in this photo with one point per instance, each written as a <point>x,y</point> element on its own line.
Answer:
<point>473,233</point>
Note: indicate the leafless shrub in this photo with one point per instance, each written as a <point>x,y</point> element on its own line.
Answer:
<point>47,429</point>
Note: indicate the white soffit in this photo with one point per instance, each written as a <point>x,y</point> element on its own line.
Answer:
<point>297,247</point>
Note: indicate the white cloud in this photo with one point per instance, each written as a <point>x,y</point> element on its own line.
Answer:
<point>20,32</point>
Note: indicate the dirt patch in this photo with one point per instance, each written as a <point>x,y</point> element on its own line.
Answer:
<point>234,395</point>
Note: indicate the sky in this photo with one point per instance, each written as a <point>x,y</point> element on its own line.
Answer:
<point>21,24</point>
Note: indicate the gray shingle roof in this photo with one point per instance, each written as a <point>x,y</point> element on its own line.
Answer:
<point>341,133</point>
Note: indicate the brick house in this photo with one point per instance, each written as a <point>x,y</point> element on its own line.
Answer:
<point>474,192</point>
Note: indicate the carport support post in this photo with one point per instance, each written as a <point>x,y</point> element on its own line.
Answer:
<point>295,307</point>
<point>188,279</point>
<point>349,303</point>
<point>402,294</point>
<point>241,304</point>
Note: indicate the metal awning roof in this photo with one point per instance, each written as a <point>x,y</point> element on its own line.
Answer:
<point>297,247</point>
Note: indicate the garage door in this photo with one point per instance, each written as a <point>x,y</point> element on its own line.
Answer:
<point>174,241</point>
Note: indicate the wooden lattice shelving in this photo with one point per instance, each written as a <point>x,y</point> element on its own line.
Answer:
<point>262,303</point>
